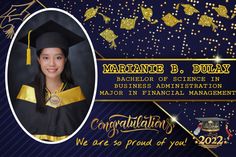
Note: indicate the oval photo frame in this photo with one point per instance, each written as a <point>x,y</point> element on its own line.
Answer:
<point>17,73</point>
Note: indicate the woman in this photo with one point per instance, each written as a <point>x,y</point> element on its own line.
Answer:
<point>51,107</point>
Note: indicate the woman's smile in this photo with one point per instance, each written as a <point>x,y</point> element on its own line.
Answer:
<point>52,70</point>
<point>52,61</point>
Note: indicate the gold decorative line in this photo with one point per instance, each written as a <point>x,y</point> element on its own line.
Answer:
<point>118,115</point>
<point>30,4</point>
<point>125,131</point>
<point>164,100</point>
<point>166,59</point>
<point>41,3</point>
<point>99,55</point>
<point>183,127</point>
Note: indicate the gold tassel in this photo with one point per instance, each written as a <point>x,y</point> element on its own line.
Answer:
<point>177,6</point>
<point>105,18</point>
<point>154,22</point>
<point>28,51</point>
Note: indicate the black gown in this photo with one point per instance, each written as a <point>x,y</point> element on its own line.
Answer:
<point>58,122</point>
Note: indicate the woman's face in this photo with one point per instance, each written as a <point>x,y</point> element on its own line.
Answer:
<point>52,61</point>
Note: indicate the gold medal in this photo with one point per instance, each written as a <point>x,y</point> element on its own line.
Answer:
<point>55,100</point>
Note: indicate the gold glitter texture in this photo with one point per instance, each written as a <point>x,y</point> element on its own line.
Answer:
<point>128,23</point>
<point>109,36</point>
<point>170,20</point>
<point>189,9</point>
<point>221,11</point>
<point>206,21</point>
<point>147,14</point>
<point>90,13</point>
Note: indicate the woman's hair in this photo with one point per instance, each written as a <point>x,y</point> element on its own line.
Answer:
<point>40,82</point>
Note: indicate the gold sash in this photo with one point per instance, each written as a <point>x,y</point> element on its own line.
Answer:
<point>67,97</point>
<point>50,138</point>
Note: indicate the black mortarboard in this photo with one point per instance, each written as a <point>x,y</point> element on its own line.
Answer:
<point>49,34</point>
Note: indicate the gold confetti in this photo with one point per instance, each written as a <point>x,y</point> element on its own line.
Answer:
<point>128,23</point>
<point>90,13</point>
<point>109,36</point>
<point>207,21</point>
<point>189,9</point>
<point>221,11</point>
<point>105,18</point>
<point>147,14</point>
<point>170,20</point>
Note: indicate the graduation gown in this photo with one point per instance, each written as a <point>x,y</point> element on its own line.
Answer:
<point>58,122</point>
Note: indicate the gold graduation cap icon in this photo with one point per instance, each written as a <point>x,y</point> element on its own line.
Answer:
<point>90,13</point>
<point>221,11</point>
<point>211,124</point>
<point>170,20</point>
<point>128,23</point>
<point>109,36</point>
<point>147,14</point>
<point>189,9</point>
<point>206,21</point>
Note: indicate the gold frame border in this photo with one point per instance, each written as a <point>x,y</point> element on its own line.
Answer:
<point>194,137</point>
<point>165,59</point>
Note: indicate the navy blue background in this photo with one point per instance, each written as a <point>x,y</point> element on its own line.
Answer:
<point>14,142</point>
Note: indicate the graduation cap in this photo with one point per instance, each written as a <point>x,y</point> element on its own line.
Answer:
<point>211,124</point>
<point>49,35</point>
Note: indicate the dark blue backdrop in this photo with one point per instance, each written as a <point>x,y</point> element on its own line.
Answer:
<point>145,41</point>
